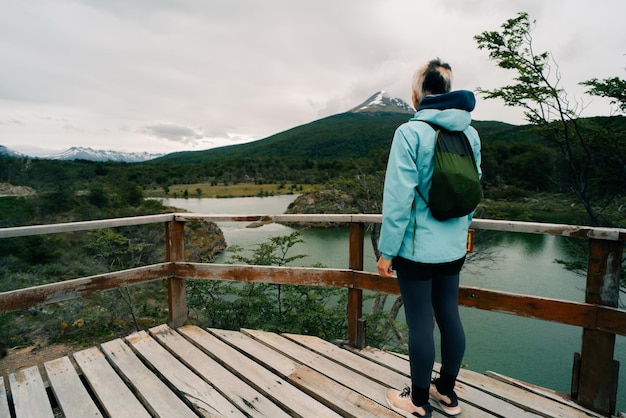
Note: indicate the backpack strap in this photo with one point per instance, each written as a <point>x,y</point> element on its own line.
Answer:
<point>435,128</point>
<point>421,195</point>
<point>432,125</point>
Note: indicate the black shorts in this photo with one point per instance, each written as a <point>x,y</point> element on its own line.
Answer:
<point>425,271</point>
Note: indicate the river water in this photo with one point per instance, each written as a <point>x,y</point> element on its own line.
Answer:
<point>537,352</point>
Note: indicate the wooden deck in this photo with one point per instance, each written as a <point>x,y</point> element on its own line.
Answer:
<point>192,372</point>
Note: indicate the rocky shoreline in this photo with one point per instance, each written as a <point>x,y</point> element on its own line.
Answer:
<point>7,189</point>
<point>322,202</point>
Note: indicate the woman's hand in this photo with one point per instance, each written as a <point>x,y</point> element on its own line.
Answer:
<point>384,267</point>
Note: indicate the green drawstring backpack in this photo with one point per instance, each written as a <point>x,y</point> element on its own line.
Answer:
<point>455,190</point>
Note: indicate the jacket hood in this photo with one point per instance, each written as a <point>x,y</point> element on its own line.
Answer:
<point>458,99</point>
<point>449,110</point>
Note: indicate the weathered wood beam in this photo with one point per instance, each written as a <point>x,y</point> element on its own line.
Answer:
<point>611,234</point>
<point>71,289</point>
<point>579,314</point>
<point>21,231</point>
<point>177,294</point>
<point>597,377</point>
<point>266,274</point>
<point>355,296</point>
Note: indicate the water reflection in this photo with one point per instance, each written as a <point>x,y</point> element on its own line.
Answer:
<point>529,243</point>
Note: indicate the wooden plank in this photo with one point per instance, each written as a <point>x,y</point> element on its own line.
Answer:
<point>269,217</point>
<point>339,397</point>
<point>518,397</point>
<point>267,274</point>
<point>72,397</point>
<point>288,275</point>
<point>555,396</point>
<point>262,379</point>
<point>384,375</point>
<point>29,394</point>
<point>400,380</point>
<point>199,393</point>
<point>372,388</point>
<point>4,403</point>
<point>76,288</point>
<point>115,397</point>
<point>20,231</point>
<point>473,401</point>
<point>249,400</point>
<point>612,234</point>
<point>390,377</point>
<point>157,397</point>
<point>582,314</point>
<point>385,358</point>
<point>341,389</point>
<point>485,224</point>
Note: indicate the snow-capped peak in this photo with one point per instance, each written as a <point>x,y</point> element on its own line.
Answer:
<point>8,151</point>
<point>382,102</point>
<point>81,153</point>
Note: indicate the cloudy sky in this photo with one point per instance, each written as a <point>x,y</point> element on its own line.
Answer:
<point>165,76</point>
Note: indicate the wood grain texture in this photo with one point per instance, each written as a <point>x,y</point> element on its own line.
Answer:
<point>108,387</point>
<point>29,394</point>
<point>69,391</point>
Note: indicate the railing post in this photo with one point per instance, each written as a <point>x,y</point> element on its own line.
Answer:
<point>356,328</point>
<point>175,251</point>
<point>597,372</point>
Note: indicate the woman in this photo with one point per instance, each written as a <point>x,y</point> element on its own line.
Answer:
<point>427,254</point>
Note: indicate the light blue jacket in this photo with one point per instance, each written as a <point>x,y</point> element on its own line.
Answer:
<point>408,228</point>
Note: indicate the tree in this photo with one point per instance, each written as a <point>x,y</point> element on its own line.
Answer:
<point>119,252</point>
<point>116,250</point>
<point>311,310</point>
<point>611,88</point>
<point>271,253</point>
<point>590,149</point>
<point>130,193</point>
<point>98,196</point>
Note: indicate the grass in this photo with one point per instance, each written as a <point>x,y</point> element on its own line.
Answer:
<point>232,190</point>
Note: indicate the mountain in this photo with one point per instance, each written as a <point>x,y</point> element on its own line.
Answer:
<point>346,135</point>
<point>353,134</point>
<point>11,153</point>
<point>81,153</point>
<point>382,102</point>
<point>366,128</point>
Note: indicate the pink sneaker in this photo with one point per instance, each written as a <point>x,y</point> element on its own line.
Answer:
<point>449,402</point>
<point>400,401</point>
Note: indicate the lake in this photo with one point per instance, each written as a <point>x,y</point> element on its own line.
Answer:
<point>537,352</point>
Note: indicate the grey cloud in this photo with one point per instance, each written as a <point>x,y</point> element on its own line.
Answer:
<point>52,118</point>
<point>175,133</point>
<point>233,71</point>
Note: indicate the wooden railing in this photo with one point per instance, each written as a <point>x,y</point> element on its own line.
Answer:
<point>595,372</point>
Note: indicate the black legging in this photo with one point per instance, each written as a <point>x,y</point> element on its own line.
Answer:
<point>428,288</point>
